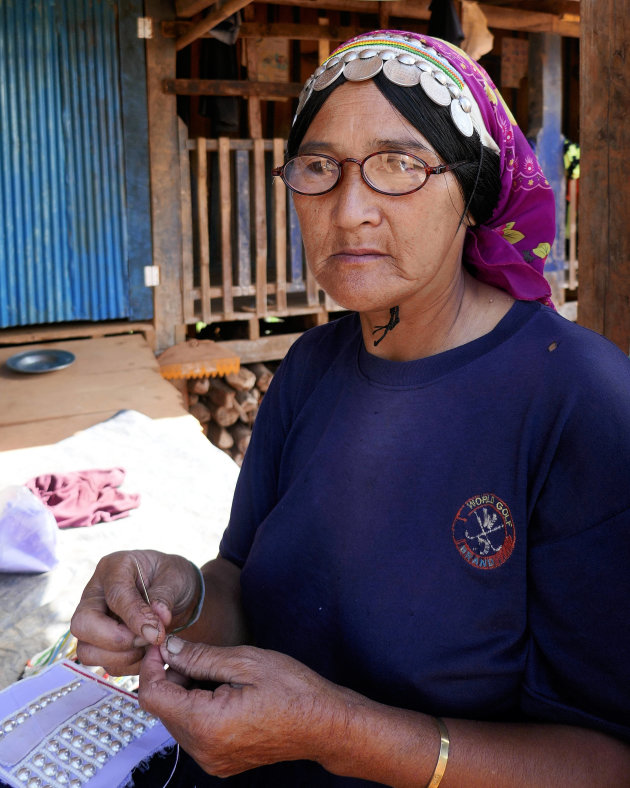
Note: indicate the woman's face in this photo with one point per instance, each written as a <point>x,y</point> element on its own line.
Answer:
<point>370,251</point>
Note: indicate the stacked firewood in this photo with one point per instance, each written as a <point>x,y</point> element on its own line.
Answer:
<point>226,407</point>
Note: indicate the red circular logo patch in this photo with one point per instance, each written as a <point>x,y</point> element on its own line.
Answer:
<point>483,531</point>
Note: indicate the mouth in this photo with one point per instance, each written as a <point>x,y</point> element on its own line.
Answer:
<point>357,255</point>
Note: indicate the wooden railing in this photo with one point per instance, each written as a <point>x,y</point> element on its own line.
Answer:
<point>242,247</point>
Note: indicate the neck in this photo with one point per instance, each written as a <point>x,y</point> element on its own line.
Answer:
<point>468,310</point>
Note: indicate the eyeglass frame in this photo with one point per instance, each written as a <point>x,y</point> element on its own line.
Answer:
<point>438,169</point>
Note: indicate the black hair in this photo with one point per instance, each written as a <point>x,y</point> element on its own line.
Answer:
<point>479,181</point>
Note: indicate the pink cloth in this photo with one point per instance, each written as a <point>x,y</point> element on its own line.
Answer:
<point>81,498</point>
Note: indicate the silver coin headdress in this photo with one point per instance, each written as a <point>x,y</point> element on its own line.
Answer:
<point>406,61</point>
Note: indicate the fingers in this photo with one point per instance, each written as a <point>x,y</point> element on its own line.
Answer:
<point>235,666</point>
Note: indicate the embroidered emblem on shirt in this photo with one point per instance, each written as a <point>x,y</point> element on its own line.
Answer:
<point>483,531</point>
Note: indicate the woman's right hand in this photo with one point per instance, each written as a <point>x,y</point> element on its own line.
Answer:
<point>113,622</point>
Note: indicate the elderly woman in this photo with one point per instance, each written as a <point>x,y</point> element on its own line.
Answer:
<point>428,553</point>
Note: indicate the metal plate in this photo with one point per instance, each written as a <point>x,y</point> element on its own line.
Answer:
<point>462,119</point>
<point>35,361</point>
<point>328,76</point>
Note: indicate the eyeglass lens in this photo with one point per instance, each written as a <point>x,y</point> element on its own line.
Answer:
<point>388,171</point>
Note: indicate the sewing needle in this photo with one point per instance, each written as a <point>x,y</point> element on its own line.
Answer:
<point>144,588</point>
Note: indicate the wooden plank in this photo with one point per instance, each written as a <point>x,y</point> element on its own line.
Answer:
<point>604,231</point>
<point>164,175</point>
<point>188,8</point>
<point>260,224</point>
<point>323,42</point>
<point>270,348</point>
<point>243,219</point>
<point>108,375</point>
<point>497,17</point>
<point>288,30</point>
<point>60,331</point>
<point>203,225</point>
<point>272,91</point>
<point>296,251</point>
<point>280,226</point>
<point>186,220</point>
<point>253,103</point>
<point>225,197</point>
<point>222,9</point>
<point>545,128</point>
<point>572,222</point>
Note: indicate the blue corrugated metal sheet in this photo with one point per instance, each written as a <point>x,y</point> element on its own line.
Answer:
<point>63,245</point>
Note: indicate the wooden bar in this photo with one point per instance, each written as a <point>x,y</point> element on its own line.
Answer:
<point>225,198</point>
<point>222,9</point>
<point>573,192</point>
<point>204,229</point>
<point>186,220</point>
<point>243,218</point>
<point>287,30</point>
<point>164,179</point>
<point>272,91</point>
<point>260,223</point>
<point>280,224</point>
<point>188,8</point>
<point>254,117</point>
<point>604,232</point>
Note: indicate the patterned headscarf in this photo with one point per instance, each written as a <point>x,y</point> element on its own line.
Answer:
<point>509,250</point>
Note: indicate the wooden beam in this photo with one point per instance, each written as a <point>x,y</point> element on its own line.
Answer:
<point>188,8</point>
<point>497,16</point>
<point>231,87</point>
<point>604,231</point>
<point>287,30</point>
<point>165,179</point>
<point>220,12</point>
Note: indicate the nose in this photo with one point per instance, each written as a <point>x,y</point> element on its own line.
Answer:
<point>355,202</point>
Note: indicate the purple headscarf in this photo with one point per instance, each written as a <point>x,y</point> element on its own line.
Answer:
<point>509,250</point>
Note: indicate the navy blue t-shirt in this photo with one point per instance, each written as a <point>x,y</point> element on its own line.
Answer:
<point>450,535</point>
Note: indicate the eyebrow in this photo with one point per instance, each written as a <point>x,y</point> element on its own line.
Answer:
<point>406,144</point>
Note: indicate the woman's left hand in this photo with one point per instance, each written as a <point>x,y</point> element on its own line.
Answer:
<point>267,708</point>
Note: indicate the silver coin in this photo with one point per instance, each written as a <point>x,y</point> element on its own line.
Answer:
<point>440,77</point>
<point>439,94</point>
<point>360,70</point>
<point>387,54</point>
<point>461,119</point>
<point>400,74</point>
<point>406,59</point>
<point>350,56</point>
<point>454,90</point>
<point>319,70</point>
<point>327,77</point>
<point>424,66</point>
<point>304,97</point>
<point>366,54</point>
<point>465,104</point>
<point>333,61</point>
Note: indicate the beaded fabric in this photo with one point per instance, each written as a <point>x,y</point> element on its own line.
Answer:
<point>510,249</point>
<point>67,728</point>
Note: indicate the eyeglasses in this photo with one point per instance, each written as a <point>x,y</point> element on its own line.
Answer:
<point>388,172</point>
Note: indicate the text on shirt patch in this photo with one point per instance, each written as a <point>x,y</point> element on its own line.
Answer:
<point>483,531</point>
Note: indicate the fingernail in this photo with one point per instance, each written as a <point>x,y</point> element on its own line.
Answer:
<point>150,633</point>
<point>174,644</point>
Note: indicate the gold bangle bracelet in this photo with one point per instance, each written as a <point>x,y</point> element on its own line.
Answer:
<point>440,766</point>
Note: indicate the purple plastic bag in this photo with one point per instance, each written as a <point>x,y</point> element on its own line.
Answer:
<point>28,532</point>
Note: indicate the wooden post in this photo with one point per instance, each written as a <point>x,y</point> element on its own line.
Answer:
<point>545,122</point>
<point>165,177</point>
<point>604,231</point>
<point>253,102</point>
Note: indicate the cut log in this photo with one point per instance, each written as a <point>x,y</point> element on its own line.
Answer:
<point>223,415</point>
<point>201,412</point>
<point>221,394</point>
<point>193,399</point>
<point>198,385</point>
<point>263,376</point>
<point>219,436</point>
<point>243,380</point>
<point>248,400</point>
<point>242,435</point>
